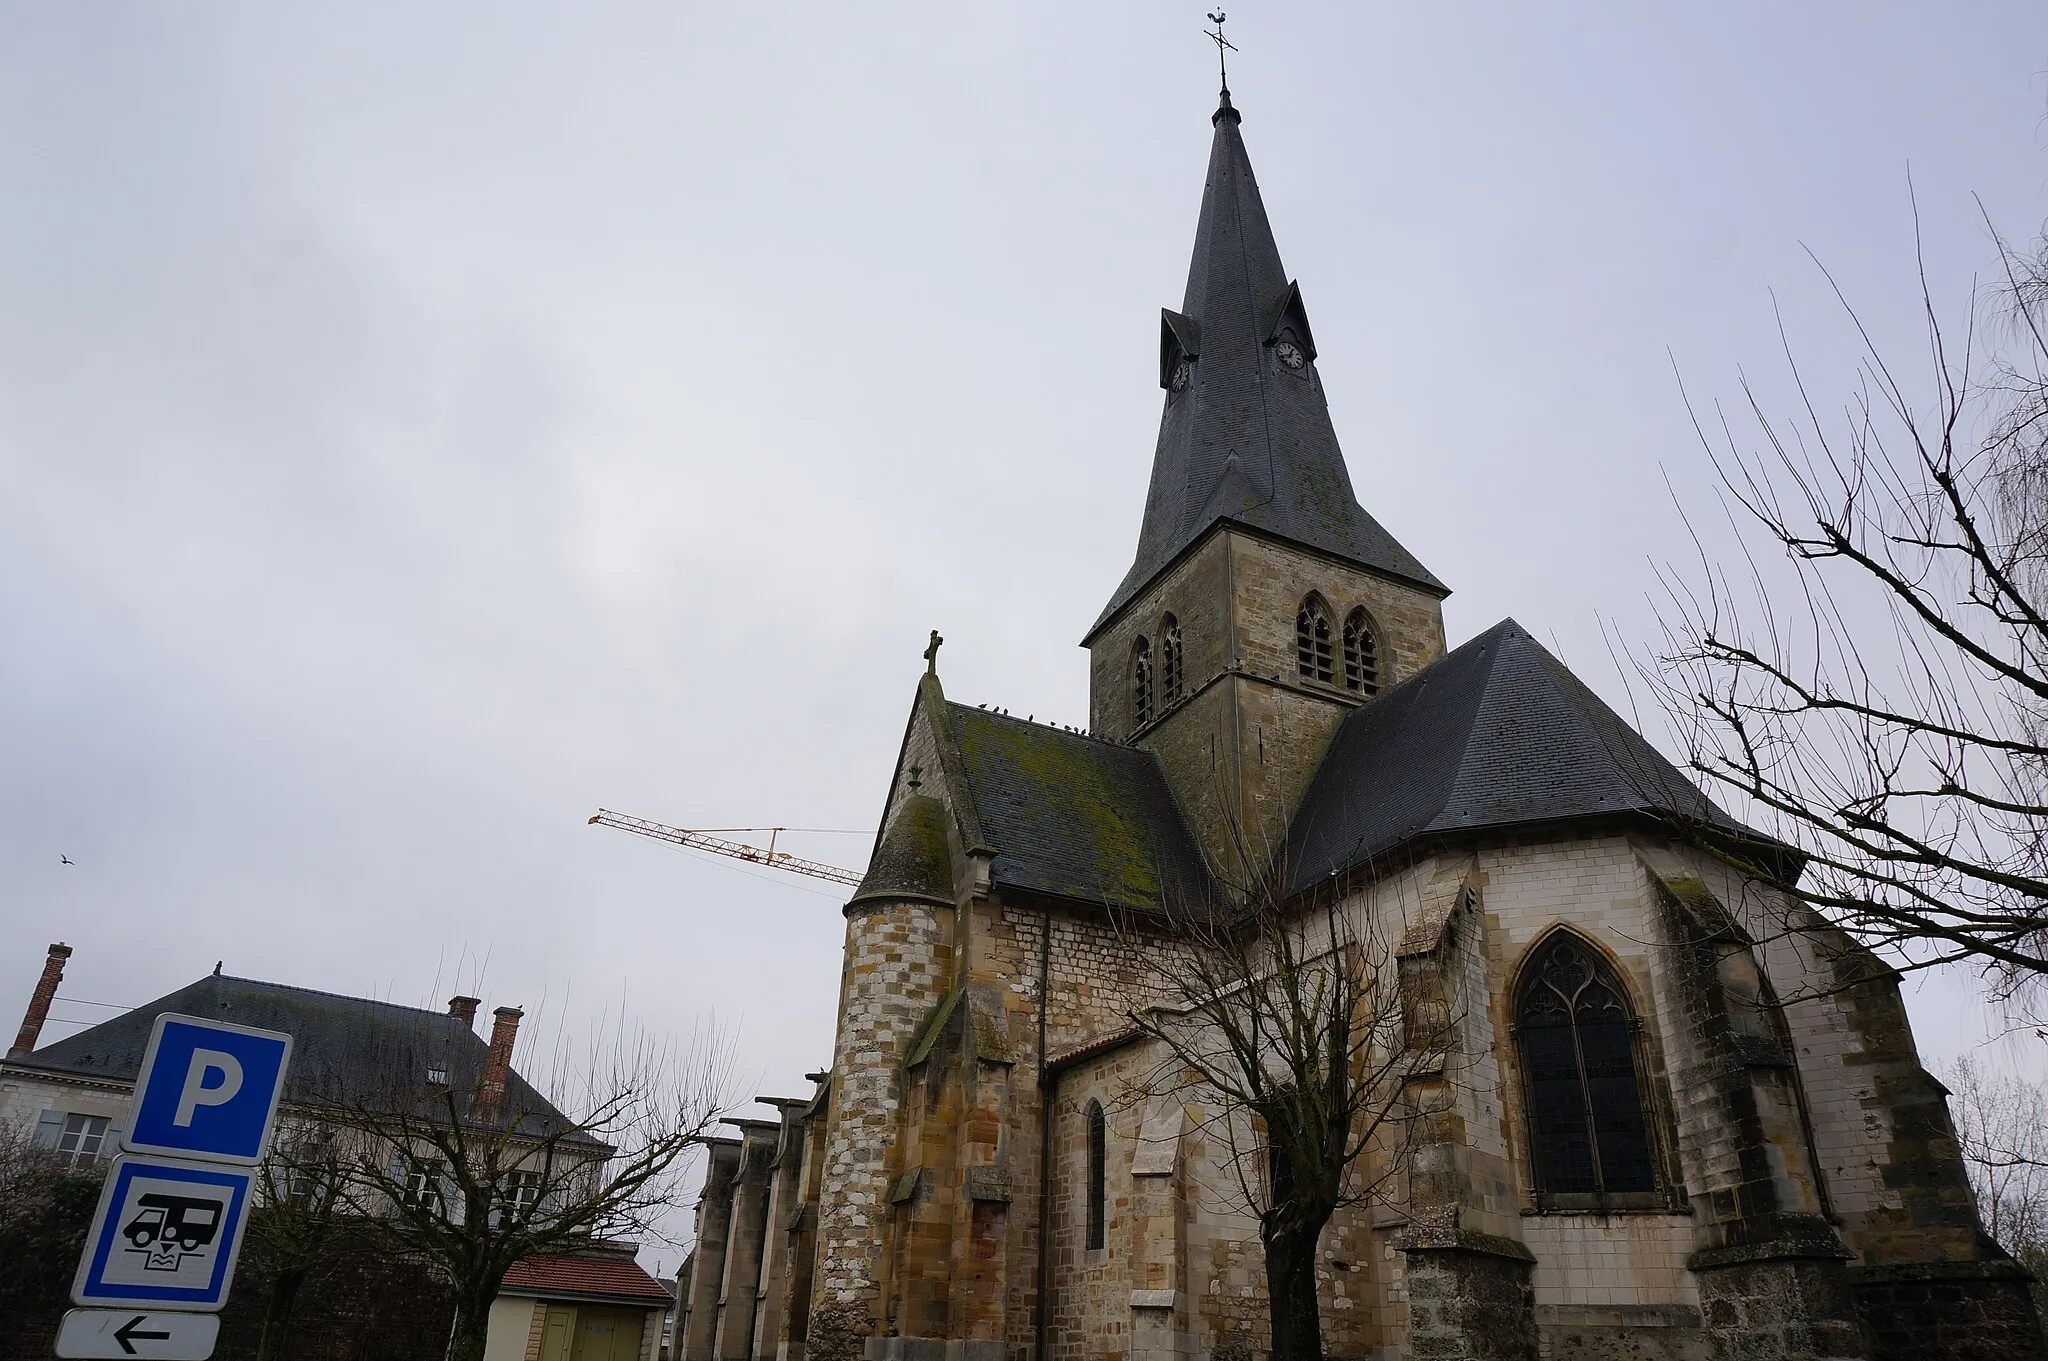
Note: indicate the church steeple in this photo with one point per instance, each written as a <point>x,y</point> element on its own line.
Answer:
<point>1246,433</point>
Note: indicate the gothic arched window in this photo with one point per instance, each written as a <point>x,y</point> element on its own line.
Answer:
<point>1098,1159</point>
<point>1312,640</point>
<point>1361,655</point>
<point>1589,1133</point>
<point>1141,680</point>
<point>1170,664</point>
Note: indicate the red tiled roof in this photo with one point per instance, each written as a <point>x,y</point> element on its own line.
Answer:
<point>616,1278</point>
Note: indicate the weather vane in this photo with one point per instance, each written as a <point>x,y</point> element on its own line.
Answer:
<point>1216,36</point>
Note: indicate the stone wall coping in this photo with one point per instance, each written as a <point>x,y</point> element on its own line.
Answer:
<point>1466,1240</point>
<point>1886,1273</point>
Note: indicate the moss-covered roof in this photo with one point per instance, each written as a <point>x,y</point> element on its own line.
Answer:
<point>913,860</point>
<point>1073,816</point>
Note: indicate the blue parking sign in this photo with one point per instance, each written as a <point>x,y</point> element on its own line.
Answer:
<point>166,1235</point>
<point>207,1090</point>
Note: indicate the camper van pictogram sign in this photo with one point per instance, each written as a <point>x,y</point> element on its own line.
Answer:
<point>166,1235</point>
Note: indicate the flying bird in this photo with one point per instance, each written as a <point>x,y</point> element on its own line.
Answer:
<point>66,859</point>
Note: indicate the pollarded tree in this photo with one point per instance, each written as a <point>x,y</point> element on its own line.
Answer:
<point>482,1170</point>
<point>1290,1021</point>
<point>1882,703</point>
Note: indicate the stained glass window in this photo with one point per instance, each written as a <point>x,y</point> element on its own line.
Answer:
<point>1098,1156</point>
<point>1587,1124</point>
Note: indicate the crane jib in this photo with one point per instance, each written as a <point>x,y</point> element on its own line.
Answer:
<point>737,850</point>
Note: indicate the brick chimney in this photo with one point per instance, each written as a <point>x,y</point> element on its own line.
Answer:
<point>39,1001</point>
<point>463,1009</point>
<point>490,1091</point>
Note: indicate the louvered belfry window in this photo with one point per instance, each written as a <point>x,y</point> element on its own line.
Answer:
<point>1141,680</point>
<point>1098,1159</point>
<point>1587,1126</point>
<point>1361,655</point>
<point>1171,668</point>
<point>1312,641</point>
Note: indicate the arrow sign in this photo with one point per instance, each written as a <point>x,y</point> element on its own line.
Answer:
<point>133,1331</point>
<point>128,1332</point>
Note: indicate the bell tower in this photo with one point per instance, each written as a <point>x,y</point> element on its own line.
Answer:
<point>1265,604</point>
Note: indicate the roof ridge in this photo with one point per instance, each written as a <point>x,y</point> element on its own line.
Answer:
<point>318,992</point>
<point>1034,723</point>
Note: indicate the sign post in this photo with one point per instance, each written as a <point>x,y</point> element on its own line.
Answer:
<point>161,1256</point>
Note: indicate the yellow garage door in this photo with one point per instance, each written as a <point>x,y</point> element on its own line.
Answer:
<point>608,1334</point>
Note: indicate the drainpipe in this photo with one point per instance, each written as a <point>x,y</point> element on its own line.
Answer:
<point>1041,1312</point>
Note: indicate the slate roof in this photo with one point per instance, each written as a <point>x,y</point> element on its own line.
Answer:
<point>1074,816</point>
<point>1247,440</point>
<point>342,1047</point>
<point>1496,734</point>
<point>594,1278</point>
<point>913,860</point>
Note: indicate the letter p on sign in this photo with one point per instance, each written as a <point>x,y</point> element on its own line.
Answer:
<point>199,1092</point>
<point>208,1090</point>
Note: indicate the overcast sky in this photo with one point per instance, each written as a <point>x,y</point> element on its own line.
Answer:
<point>422,425</point>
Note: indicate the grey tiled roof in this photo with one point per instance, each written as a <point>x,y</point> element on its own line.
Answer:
<point>1074,816</point>
<point>343,1048</point>
<point>1248,440</point>
<point>1496,734</point>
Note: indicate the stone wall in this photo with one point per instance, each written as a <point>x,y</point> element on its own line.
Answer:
<point>898,964</point>
<point>1248,732</point>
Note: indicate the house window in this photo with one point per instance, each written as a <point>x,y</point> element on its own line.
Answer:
<point>423,1188</point>
<point>1361,655</point>
<point>80,1143</point>
<point>1312,640</point>
<point>1588,1130</point>
<point>1170,664</point>
<point>1098,1157</point>
<point>518,1193</point>
<point>1141,680</point>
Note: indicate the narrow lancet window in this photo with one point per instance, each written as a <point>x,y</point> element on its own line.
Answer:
<point>1312,641</point>
<point>1361,655</point>
<point>1141,681</point>
<point>1588,1130</point>
<point>1170,666</point>
<point>1098,1157</point>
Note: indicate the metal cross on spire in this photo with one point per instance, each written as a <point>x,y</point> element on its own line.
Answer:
<point>1216,36</point>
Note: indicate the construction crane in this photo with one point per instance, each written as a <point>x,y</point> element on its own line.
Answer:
<point>703,839</point>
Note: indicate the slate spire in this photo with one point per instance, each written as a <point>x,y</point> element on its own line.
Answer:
<point>1246,434</point>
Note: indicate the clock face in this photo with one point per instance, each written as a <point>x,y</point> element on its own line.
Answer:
<point>1290,354</point>
<point>1182,372</point>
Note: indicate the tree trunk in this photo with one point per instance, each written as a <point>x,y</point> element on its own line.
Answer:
<point>1291,1295</point>
<point>472,1327</point>
<point>277,1315</point>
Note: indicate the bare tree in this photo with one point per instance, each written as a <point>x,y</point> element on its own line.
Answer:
<point>302,1214</point>
<point>473,1177</point>
<point>1881,702</point>
<point>1290,1020</point>
<point>2001,1123</point>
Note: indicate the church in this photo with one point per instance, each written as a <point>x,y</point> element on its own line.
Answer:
<point>1667,1129</point>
